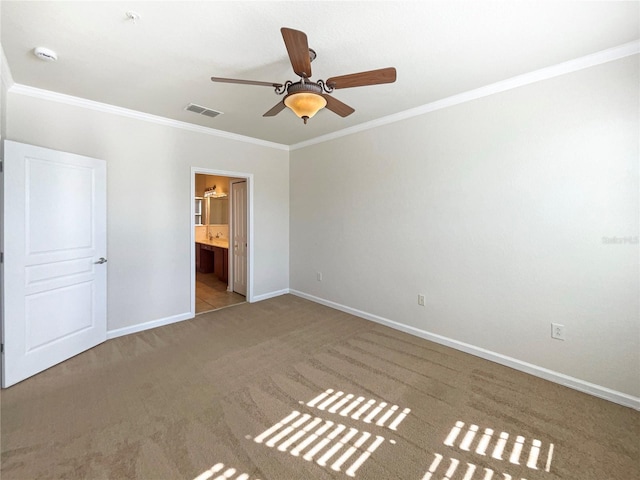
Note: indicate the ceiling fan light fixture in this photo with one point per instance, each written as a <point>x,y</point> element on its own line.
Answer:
<point>305,98</point>
<point>305,104</point>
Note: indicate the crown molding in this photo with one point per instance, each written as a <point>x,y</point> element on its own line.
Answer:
<point>594,59</point>
<point>39,93</point>
<point>598,58</point>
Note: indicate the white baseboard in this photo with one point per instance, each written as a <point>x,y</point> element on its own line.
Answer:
<point>556,377</point>
<point>265,296</point>
<point>119,332</point>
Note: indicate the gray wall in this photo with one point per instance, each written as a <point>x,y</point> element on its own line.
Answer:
<point>5,82</point>
<point>149,200</point>
<point>495,210</point>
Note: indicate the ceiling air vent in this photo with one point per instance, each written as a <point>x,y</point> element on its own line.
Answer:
<point>192,107</point>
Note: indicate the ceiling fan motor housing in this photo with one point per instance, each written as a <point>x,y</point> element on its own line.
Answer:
<point>307,87</point>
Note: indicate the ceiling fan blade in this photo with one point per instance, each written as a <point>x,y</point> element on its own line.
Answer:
<point>298,49</point>
<point>336,106</point>
<point>245,82</point>
<point>276,109</point>
<point>372,77</point>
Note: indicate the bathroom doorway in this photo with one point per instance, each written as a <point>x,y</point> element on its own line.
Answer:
<point>214,218</point>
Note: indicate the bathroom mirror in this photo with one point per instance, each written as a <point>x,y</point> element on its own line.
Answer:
<point>217,211</point>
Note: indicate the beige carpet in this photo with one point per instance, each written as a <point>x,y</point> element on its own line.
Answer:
<point>287,389</point>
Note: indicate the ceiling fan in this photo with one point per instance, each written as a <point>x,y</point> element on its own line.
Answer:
<point>305,97</point>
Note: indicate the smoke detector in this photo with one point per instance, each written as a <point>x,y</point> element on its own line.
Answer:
<point>45,54</point>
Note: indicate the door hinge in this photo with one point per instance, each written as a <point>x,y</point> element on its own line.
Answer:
<point>1,257</point>
<point>1,347</point>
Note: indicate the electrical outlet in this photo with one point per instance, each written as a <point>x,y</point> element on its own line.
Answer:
<point>421,300</point>
<point>557,331</point>
<point>319,276</point>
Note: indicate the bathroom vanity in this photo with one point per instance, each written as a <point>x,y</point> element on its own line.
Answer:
<point>212,256</point>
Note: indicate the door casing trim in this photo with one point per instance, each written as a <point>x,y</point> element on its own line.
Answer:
<point>223,173</point>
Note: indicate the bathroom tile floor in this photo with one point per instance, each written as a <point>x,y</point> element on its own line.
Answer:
<point>212,293</point>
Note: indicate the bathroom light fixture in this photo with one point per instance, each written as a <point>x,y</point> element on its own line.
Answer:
<point>211,193</point>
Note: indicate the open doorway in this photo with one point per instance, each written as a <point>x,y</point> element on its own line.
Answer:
<point>221,228</point>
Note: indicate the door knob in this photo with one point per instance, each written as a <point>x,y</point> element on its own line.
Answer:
<point>101,261</point>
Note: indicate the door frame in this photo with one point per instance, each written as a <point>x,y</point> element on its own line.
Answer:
<point>223,173</point>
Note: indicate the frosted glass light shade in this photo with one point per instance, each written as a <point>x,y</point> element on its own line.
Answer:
<point>305,104</point>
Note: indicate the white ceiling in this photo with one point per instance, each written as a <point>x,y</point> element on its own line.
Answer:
<point>165,60</point>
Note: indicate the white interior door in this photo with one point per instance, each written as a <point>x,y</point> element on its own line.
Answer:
<point>239,233</point>
<point>54,275</point>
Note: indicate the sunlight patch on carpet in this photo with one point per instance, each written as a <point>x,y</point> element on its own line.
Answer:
<point>343,448</point>
<point>314,435</point>
<point>330,443</point>
<point>501,447</point>
<point>344,405</point>
<point>224,474</point>
<point>503,444</point>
